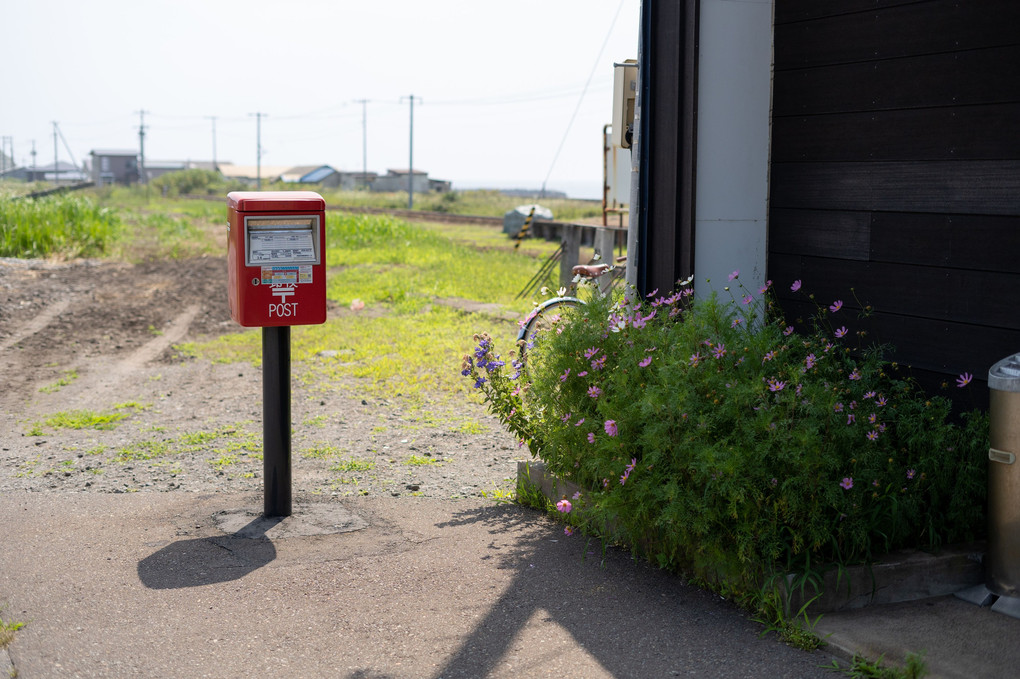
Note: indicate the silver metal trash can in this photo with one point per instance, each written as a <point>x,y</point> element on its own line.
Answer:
<point>1002,560</point>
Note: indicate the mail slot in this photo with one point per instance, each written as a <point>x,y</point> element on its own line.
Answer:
<point>276,258</point>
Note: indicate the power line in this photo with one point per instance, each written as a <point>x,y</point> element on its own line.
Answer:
<point>581,98</point>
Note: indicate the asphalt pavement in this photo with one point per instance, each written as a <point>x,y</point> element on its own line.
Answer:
<point>186,585</point>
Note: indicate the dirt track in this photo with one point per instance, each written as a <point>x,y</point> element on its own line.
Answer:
<point>108,331</point>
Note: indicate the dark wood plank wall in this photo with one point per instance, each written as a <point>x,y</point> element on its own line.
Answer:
<point>896,172</point>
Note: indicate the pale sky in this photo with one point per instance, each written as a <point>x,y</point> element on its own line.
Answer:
<point>495,83</point>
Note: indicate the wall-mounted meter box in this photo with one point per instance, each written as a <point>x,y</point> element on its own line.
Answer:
<point>276,258</point>
<point>624,100</point>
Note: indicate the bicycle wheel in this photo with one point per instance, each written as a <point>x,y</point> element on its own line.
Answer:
<point>544,317</point>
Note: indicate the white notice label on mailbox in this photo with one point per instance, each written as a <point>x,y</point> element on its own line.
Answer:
<point>269,247</point>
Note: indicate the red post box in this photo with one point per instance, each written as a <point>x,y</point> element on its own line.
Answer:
<point>276,258</point>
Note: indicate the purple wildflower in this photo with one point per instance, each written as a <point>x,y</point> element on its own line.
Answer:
<point>591,437</point>
<point>963,380</point>
<point>910,473</point>
<point>836,306</point>
<point>564,506</point>
<point>788,331</point>
<point>565,375</point>
<point>855,375</point>
<point>719,351</point>
<point>872,435</point>
<point>644,363</point>
<point>594,391</point>
<point>734,274</point>
<point>841,332</point>
<point>796,285</point>
<point>610,427</point>
<point>847,483</point>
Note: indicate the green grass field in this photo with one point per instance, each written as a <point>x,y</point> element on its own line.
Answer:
<point>408,340</point>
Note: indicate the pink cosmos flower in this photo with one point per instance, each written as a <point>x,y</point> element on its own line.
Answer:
<point>847,483</point>
<point>963,380</point>
<point>644,363</point>
<point>591,437</point>
<point>579,422</point>
<point>565,375</point>
<point>589,353</point>
<point>855,375</point>
<point>719,351</point>
<point>841,332</point>
<point>747,300</point>
<point>564,506</point>
<point>736,322</point>
<point>872,435</point>
<point>610,427</point>
<point>836,306</point>
<point>594,391</point>
<point>809,362</point>
<point>788,331</point>
<point>568,531</point>
<point>796,285</point>
<point>734,274</point>
<point>910,473</point>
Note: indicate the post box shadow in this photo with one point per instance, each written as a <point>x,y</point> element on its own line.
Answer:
<point>211,560</point>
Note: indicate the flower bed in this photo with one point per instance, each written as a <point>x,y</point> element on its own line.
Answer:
<point>718,437</point>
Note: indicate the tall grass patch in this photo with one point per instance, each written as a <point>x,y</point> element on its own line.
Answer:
<point>70,226</point>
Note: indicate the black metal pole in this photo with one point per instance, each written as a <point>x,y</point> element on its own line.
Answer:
<point>276,420</point>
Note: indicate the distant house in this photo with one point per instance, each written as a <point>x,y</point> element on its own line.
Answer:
<point>65,173</point>
<point>158,168</point>
<point>114,167</point>
<point>397,180</point>
<point>250,173</point>
<point>323,175</point>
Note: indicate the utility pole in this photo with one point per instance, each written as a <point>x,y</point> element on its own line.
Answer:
<point>410,162</point>
<point>258,148</point>
<point>56,170</point>
<point>364,141</point>
<point>34,178</point>
<point>141,146</point>
<point>213,119</point>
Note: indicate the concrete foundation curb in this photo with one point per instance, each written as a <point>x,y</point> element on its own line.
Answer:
<point>904,575</point>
